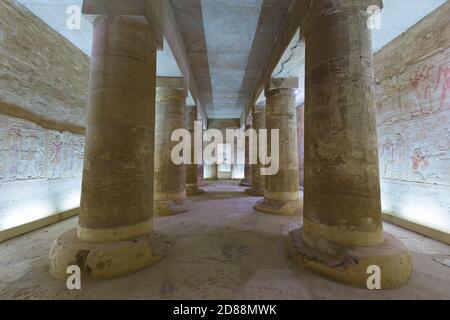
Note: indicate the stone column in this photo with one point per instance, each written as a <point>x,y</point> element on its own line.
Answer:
<point>301,144</point>
<point>114,235</point>
<point>214,172</point>
<point>258,180</point>
<point>247,181</point>
<point>342,234</point>
<point>192,176</point>
<point>281,194</point>
<point>170,179</point>
<point>201,168</point>
<point>201,179</point>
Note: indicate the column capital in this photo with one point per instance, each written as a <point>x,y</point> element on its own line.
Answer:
<point>148,11</point>
<point>259,107</point>
<point>191,117</point>
<point>249,120</point>
<point>281,84</point>
<point>363,5</point>
<point>171,83</point>
<point>316,10</point>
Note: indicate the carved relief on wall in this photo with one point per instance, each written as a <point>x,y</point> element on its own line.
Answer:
<point>413,113</point>
<point>421,89</point>
<point>416,150</point>
<point>392,157</point>
<point>444,81</point>
<point>28,151</point>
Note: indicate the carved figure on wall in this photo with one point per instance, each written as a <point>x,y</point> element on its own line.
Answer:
<point>431,95</point>
<point>75,157</point>
<point>15,139</point>
<point>55,157</point>
<point>399,156</point>
<point>387,158</point>
<point>28,151</point>
<point>444,84</point>
<point>35,156</point>
<point>424,88</point>
<point>420,161</point>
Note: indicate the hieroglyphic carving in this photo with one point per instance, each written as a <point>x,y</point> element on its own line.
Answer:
<point>413,111</point>
<point>28,151</point>
<point>423,156</point>
<point>421,89</point>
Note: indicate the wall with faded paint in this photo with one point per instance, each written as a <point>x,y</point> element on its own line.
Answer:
<point>43,93</point>
<point>413,112</point>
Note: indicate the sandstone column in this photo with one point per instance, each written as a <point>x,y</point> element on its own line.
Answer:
<point>213,172</point>
<point>258,180</point>
<point>247,181</point>
<point>115,223</point>
<point>170,179</point>
<point>281,194</point>
<point>301,144</point>
<point>201,173</point>
<point>201,168</point>
<point>342,234</point>
<point>192,170</point>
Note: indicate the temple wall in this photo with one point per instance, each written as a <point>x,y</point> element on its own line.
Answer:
<point>43,94</point>
<point>413,113</point>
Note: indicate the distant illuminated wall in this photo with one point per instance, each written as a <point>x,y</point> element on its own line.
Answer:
<point>40,171</point>
<point>238,172</point>
<point>413,110</point>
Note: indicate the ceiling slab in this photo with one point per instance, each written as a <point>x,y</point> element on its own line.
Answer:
<point>227,42</point>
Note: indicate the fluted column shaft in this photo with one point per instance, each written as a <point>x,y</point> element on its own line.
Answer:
<point>342,184</point>
<point>117,192</point>
<point>246,182</point>
<point>115,233</point>
<point>281,193</point>
<point>192,170</point>
<point>170,178</point>
<point>342,235</point>
<point>258,181</point>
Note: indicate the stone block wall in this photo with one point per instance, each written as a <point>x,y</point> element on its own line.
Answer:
<point>413,113</point>
<point>43,94</point>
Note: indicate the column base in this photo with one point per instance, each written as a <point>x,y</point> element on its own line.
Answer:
<point>244,183</point>
<point>255,192</point>
<point>203,183</point>
<point>350,265</point>
<point>101,261</point>
<point>194,190</point>
<point>282,208</point>
<point>170,208</point>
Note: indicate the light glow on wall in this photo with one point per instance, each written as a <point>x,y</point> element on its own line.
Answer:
<point>71,201</point>
<point>238,172</point>
<point>417,204</point>
<point>35,209</point>
<point>26,213</point>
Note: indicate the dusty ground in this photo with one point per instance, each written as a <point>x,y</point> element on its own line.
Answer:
<point>223,249</point>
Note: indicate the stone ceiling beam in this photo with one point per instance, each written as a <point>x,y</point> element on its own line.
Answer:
<point>288,29</point>
<point>176,43</point>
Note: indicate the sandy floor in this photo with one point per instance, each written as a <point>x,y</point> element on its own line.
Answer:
<point>222,249</point>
